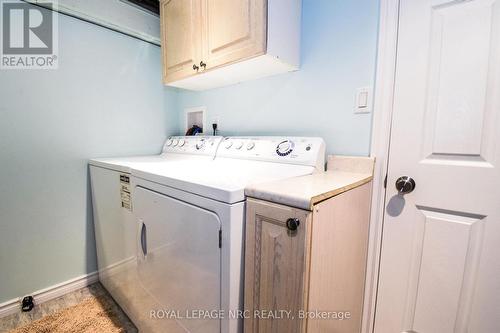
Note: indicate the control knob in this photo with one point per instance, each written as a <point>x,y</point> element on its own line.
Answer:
<point>238,145</point>
<point>284,148</point>
<point>200,144</point>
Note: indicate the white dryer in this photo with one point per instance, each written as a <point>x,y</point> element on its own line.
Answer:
<point>192,227</point>
<point>116,230</point>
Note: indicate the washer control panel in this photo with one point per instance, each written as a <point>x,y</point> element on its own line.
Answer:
<point>294,150</point>
<point>200,145</point>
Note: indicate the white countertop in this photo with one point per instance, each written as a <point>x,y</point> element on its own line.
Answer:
<point>343,173</point>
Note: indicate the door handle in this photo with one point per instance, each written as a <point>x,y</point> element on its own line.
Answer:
<point>204,65</point>
<point>405,184</point>
<point>144,244</point>
<point>196,68</point>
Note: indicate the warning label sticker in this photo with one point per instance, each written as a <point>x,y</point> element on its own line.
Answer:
<point>125,192</point>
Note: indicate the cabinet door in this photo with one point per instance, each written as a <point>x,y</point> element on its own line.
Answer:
<point>275,267</point>
<point>181,38</point>
<point>233,30</point>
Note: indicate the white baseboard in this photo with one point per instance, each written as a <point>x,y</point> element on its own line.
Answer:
<point>44,295</point>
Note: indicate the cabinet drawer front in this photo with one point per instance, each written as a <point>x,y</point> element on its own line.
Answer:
<point>233,30</point>
<point>275,268</point>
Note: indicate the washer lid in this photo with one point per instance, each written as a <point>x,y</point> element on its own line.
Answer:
<point>223,179</point>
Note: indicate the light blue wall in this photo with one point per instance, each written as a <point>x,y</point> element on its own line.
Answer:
<point>106,99</point>
<point>338,56</point>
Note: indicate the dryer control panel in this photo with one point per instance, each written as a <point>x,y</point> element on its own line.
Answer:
<point>197,145</point>
<point>293,150</point>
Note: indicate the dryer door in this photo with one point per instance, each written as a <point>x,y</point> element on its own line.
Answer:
<point>179,260</point>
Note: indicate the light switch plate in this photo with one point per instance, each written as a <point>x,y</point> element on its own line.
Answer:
<point>363,100</point>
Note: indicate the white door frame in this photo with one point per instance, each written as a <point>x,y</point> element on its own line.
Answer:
<point>381,128</point>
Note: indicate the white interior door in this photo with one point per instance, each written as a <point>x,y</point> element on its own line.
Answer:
<point>180,259</point>
<point>440,259</point>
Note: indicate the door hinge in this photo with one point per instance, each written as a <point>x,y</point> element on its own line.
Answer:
<point>220,238</point>
<point>385,181</point>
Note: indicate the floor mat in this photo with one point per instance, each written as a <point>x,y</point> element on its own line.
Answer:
<point>94,314</point>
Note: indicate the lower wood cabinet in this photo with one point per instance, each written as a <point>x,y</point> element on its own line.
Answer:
<point>305,270</point>
<point>275,265</point>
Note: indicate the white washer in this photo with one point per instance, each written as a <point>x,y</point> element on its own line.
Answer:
<point>116,230</point>
<point>192,225</point>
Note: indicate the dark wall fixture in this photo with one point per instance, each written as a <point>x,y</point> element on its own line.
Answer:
<point>150,5</point>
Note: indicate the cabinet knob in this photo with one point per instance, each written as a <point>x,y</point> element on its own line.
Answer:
<point>292,223</point>
<point>202,64</point>
<point>196,68</point>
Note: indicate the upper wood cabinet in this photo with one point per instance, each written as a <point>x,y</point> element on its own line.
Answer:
<point>183,32</point>
<point>213,43</point>
<point>233,30</point>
